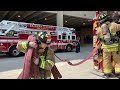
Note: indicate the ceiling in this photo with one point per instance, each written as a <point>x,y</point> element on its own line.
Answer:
<point>41,17</point>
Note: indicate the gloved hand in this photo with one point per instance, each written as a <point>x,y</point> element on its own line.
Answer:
<point>18,45</point>
<point>36,61</point>
<point>33,44</point>
<point>41,51</point>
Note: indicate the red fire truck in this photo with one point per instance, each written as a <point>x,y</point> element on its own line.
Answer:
<point>11,32</point>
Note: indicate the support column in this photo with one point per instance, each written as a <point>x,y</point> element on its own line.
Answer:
<point>60,18</point>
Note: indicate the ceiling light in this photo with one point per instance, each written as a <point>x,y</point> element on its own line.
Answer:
<point>66,21</point>
<point>118,13</point>
<point>45,18</point>
<point>83,23</point>
<point>90,20</point>
<point>19,16</point>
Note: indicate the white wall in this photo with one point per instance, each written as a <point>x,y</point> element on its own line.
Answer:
<point>89,14</point>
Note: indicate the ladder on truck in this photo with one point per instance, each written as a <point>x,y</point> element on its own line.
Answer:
<point>6,26</point>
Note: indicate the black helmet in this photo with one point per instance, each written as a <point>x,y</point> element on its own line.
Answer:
<point>102,18</point>
<point>44,37</point>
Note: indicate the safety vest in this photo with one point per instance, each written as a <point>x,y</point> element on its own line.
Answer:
<point>109,48</point>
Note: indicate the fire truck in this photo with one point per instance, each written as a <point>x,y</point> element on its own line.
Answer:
<point>12,31</point>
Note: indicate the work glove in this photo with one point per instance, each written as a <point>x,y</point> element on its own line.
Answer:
<point>40,51</point>
<point>18,45</point>
<point>32,44</point>
<point>36,61</point>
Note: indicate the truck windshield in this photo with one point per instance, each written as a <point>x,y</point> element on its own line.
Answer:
<point>2,32</point>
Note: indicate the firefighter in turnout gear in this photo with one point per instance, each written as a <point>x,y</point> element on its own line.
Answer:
<point>110,44</point>
<point>46,59</point>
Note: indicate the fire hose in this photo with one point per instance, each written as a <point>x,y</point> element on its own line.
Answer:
<point>27,72</point>
<point>87,58</point>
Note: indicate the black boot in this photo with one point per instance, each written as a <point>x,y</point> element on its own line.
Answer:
<point>117,75</point>
<point>107,76</point>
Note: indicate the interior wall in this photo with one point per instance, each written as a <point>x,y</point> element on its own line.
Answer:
<point>85,33</point>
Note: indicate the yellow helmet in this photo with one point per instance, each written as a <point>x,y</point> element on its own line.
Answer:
<point>44,37</point>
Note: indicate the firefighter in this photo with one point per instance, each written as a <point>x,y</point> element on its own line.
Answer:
<point>47,59</point>
<point>109,44</point>
<point>77,47</point>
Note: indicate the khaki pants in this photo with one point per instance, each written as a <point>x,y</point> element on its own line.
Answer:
<point>107,63</point>
<point>113,64</point>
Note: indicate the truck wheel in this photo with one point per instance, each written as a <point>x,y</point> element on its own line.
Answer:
<point>69,48</point>
<point>14,52</point>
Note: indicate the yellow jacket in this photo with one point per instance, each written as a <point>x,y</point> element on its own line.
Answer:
<point>113,27</point>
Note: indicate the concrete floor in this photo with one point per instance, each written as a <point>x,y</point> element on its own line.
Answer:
<point>12,67</point>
